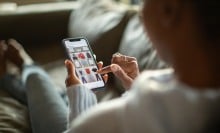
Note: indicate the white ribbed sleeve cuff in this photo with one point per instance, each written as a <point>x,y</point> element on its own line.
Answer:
<point>80,99</point>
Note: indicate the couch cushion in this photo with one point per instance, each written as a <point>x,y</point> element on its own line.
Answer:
<point>13,115</point>
<point>136,43</point>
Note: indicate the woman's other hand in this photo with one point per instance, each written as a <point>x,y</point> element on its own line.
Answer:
<point>72,78</point>
<point>125,68</point>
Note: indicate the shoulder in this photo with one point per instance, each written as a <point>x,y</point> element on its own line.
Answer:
<point>158,75</point>
<point>151,86</point>
<point>153,80</point>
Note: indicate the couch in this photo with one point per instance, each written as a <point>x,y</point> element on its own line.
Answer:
<point>109,27</point>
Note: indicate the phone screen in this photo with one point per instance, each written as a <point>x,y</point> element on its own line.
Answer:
<point>81,55</point>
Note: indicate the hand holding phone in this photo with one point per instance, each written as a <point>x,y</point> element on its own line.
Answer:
<point>80,53</point>
<point>71,78</point>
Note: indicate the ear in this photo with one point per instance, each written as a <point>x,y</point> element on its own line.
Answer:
<point>169,12</point>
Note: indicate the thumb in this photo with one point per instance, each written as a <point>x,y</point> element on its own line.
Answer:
<point>70,68</point>
<point>71,79</point>
<point>121,75</point>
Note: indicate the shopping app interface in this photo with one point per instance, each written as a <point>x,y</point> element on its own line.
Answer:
<point>85,66</point>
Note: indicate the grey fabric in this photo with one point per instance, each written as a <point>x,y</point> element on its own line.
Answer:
<point>13,115</point>
<point>95,17</point>
<point>42,93</point>
<point>47,109</point>
<point>13,85</point>
<point>81,99</point>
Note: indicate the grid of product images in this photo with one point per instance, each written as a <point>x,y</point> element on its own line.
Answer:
<point>86,67</point>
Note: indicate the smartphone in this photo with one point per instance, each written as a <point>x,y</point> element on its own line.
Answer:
<point>80,53</point>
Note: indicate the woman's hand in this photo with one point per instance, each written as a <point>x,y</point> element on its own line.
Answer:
<point>125,68</point>
<point>72,79</point>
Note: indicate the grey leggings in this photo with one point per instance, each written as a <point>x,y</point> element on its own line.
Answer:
<point>48,110</point>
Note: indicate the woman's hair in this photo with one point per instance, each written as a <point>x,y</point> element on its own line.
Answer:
<point>208,12</point>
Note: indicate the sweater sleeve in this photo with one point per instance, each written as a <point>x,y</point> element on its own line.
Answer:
<point>80,99</point>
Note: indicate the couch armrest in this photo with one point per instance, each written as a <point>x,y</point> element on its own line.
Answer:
<point>37,23</point>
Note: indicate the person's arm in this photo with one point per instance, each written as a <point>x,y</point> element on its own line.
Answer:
<point>80,99</point>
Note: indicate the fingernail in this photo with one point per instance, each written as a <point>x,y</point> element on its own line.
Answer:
<point>114,68</point>
<point>66,62</point>
<point>116,55</point>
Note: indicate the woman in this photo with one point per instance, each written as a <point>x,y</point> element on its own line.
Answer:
<point>183,99</point>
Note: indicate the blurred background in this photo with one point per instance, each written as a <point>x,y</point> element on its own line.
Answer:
<point>40,25</point>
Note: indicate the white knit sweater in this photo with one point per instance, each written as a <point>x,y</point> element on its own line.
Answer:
<point>157,103</point>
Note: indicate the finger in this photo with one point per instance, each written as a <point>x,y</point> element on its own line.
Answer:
<point>70,67</point>
<point>131,66</point>
<point>129,58</point>
<point>119,58</point>
<point>124,58</point>
<point>116,58</point>
<point>71,78</point>
<point>100,64</point>
<point>105,77</point>
<point>105,70</point>
<point>121,75</point>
